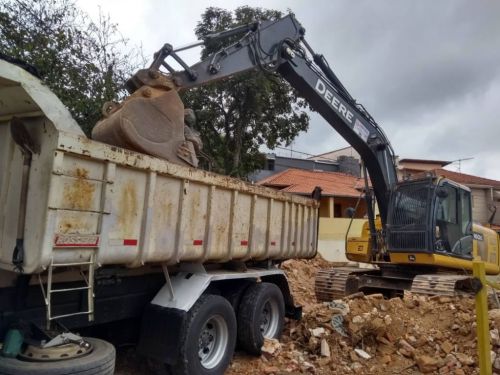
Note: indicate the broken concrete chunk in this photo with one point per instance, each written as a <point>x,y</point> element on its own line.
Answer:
<point>361,353</point>
<point>271,347</point>
<point>317,332</point>
<point>325,348</point>
<point>427,364</point>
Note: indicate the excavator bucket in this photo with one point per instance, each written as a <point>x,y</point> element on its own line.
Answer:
<point>150,121</point>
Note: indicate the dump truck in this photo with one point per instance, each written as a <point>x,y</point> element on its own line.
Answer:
<point>92,233</point>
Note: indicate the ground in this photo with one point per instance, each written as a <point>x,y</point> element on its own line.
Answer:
<point>361,334</point>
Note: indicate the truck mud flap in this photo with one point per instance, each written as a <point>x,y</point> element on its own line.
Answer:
<point>160,329</point>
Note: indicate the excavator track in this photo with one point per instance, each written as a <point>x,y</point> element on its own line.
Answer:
<point>335,283</point>
<point>445,285</point>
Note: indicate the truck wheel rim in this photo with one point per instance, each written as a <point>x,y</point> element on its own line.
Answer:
<point>213,341</point>
<point>269,319</point>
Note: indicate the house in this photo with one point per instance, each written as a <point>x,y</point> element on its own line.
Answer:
<point>275,164</point>
<point>411,167</point>
<point>485,196</point>
<point>340,191</point>
<point>485,192</point>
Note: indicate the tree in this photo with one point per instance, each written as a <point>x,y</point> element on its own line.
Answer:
<point>238,115</point>
<point>83,62</point>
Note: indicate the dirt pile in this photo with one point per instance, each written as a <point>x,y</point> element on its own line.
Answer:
<point>372,335</point>
<point>366,335</point>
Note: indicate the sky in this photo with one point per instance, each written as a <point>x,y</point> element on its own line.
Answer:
<point>427,71</point>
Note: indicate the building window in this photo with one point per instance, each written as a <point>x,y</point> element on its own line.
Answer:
<point>337,210</point>
<point>270,164</point>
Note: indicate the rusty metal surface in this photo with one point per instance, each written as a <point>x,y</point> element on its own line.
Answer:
<point>150,121</point>
<point>128,208</point>
<point>133,209</point>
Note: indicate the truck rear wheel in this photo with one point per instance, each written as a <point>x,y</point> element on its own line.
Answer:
<point>261,314</point>
<point>208,340</point>
<point>100,361</point>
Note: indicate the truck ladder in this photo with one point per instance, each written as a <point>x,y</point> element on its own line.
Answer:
<point>88,285</point>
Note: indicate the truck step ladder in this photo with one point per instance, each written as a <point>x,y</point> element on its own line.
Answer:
<point>88,285</point>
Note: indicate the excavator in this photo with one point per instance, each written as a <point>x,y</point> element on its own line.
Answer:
<point>423,238</point>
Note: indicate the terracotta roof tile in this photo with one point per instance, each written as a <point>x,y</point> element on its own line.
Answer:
<point>467,179</point>
<point>301,181</point>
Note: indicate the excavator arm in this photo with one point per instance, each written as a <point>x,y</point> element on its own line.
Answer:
<point>279,47</point>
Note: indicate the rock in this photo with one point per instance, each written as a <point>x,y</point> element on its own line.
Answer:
<point>388,320</point>
<point>307,366</point>
<point>496,364</point>
<point>427,364</point>
<point>271,347</point>
<point>465,359</point>
<point>317,332</point>
<point>411,339</point>
<point>494,316</point>
<point>451,360</point>
<point>268,370</point>
<point>385,359</point>
<point>495,337</point>
<point>362,353</point>
<point>459,371</point>
<point>356,366</point>
<point>325,348</point>
<point>406,346</point>
<point>356,295</point>
<point>353,356</point>
<point>375,296</point>
<point>405,353</point>
<point>357,319</point>
<point>446,347</point>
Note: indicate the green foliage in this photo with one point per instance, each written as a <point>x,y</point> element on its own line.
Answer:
<point>238,115</point>
<point>81,61</point>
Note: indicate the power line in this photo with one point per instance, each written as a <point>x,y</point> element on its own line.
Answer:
<point>307,154</point>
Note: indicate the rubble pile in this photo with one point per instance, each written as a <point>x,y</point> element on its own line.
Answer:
<point>371,335</point>
<point>368,334</point>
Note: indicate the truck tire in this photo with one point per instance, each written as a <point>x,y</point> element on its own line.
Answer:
<point>101,361</point>
<point>208,340</point>
<point>261,314</point>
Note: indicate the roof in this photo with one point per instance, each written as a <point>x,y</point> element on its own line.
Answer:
<point>467,179</point>
<point>425,161</point>
<point>303,182</point>
<point>329,152</point>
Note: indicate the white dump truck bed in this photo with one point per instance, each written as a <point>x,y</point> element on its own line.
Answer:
<point>84,197</point>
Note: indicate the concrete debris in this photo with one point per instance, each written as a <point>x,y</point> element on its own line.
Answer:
<point>408,335</point>
<point>362,353</point>
<point>427,364</point>
<point>271,347</point>
<point>318,332</point>
<point>325,348</point>
<point>371,335</point>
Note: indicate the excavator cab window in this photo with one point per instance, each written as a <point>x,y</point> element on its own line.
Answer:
<point>453,232</point>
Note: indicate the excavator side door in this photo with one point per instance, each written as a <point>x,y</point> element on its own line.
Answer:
<point>453,220</point>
